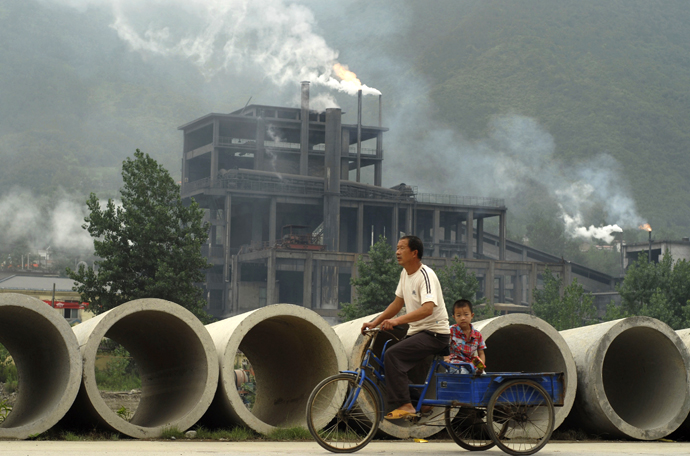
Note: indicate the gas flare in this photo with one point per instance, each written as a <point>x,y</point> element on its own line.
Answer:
<point>645,227</point>
<point>346,81</point>
<point>347,76</point>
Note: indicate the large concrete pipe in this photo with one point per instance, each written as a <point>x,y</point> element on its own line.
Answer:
<point>525,343</point>
<point>355,344</point>
<point>290,348</point>
<point>683,431</point>
<point>46,354</point>
<point>632,378</point>
<point>176,359</point>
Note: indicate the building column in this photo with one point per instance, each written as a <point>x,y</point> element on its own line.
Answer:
<point>228,230</point>
<point>271,295</point>
<point>469,234</point>
<point>235,284</point>
<point>408,219</point>
<point>489,283</point>
<point>517,287</point>
<point>345,155</point>
<point>480,237</point>
<point>378,166</point>
<point>304,133</point>
<point>360,227</point>
<point>306,282</point>
<point>272,221</point>
<point>437,232</point>
<point>502,237</point>
<point>395,231</point>
<point>214,153</point>
<point>532,285</point>
<point>260,154</point>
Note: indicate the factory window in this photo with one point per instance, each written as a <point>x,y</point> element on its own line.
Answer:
<point>71,314</point>
<point>287,115</point>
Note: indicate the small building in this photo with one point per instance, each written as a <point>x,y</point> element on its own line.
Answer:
<point>54,291</point>
<point>679,250</point>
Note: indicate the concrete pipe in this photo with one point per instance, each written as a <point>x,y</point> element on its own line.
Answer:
<point>176,359</point>
<point>46,354</point>
<point>525,343</point>
<point>355,344</point>
<point>290,348</point>
<point>632,378</point>
<point>683,430</point>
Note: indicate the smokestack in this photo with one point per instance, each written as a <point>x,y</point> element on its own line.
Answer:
<point>380,110</point>
<point>304,135</point>
<point>359,132</point>
<point>650,246</point>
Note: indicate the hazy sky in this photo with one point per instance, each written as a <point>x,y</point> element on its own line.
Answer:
<point>219,53</point>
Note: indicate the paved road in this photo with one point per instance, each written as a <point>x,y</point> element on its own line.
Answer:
<point>397,448</point>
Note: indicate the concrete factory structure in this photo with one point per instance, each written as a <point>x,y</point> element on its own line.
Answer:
<point>290,215</point>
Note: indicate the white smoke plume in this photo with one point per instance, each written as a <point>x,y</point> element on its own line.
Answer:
<point>59,227</point>
<point>275,38</point>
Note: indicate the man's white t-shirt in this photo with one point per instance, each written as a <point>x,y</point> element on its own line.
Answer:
<point>418,288</point>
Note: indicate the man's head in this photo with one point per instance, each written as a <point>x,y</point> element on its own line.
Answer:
<point>409,251</point>
<point>462,313</point>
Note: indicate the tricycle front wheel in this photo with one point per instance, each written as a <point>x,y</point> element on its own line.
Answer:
<point>520,417</point>
<point>468,428</point>
<point>355,409</point>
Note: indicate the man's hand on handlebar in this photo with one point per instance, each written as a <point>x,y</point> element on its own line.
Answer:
<point>366,326</point>
<point>389,324</point>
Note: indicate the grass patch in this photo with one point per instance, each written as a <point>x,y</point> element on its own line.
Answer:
<point>295,433</point>
<point>172,433</point>
<point>237,434</point>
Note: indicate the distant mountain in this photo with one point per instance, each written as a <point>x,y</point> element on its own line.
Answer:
<point>606,76</point>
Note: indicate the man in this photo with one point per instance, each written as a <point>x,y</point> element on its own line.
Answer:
<point>420,292</point>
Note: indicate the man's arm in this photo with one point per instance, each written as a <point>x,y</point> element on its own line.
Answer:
<point>391,311</point>
<point>419,314</point>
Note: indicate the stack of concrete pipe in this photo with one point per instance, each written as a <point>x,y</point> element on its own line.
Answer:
<point>632,378</point>
<point>631,375</point>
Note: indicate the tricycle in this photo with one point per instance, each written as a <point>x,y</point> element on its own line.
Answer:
<point>512,410</point>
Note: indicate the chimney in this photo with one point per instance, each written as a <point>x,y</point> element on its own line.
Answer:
<point>304,135</point>
<point>359,133</point>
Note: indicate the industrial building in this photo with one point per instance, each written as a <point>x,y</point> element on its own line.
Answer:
<point>290,215</point>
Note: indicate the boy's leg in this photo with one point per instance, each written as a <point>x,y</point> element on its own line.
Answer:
<point>402,357</point>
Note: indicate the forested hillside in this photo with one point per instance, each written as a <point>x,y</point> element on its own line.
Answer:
<point>590,79</point>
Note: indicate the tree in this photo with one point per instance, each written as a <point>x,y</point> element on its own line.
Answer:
<point>459,283</point>
<point>376,281</point>
<point>574,309</point>
<point>149,247</point>
<point>658,290</point>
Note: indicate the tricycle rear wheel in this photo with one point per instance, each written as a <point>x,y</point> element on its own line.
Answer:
<point>520,417</point>
<point>468,428</point>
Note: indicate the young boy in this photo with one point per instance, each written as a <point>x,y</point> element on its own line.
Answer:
<point>465,341</point>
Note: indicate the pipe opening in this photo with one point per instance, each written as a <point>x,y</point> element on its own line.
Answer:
<point>290,356</point>
<point>522,348</point>
<point>245,380</point>
<point>644,375</point>
<point>117,377</point>
<point>172,364</point>
<point>41,356</point>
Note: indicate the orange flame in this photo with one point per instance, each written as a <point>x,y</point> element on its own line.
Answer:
<point>344,73</point>
<point>645,227</point>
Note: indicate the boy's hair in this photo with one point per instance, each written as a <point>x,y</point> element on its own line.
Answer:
<point>460,303</point>
<point>414,243</point>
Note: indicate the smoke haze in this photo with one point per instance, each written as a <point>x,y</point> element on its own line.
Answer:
<point>270,46</point>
